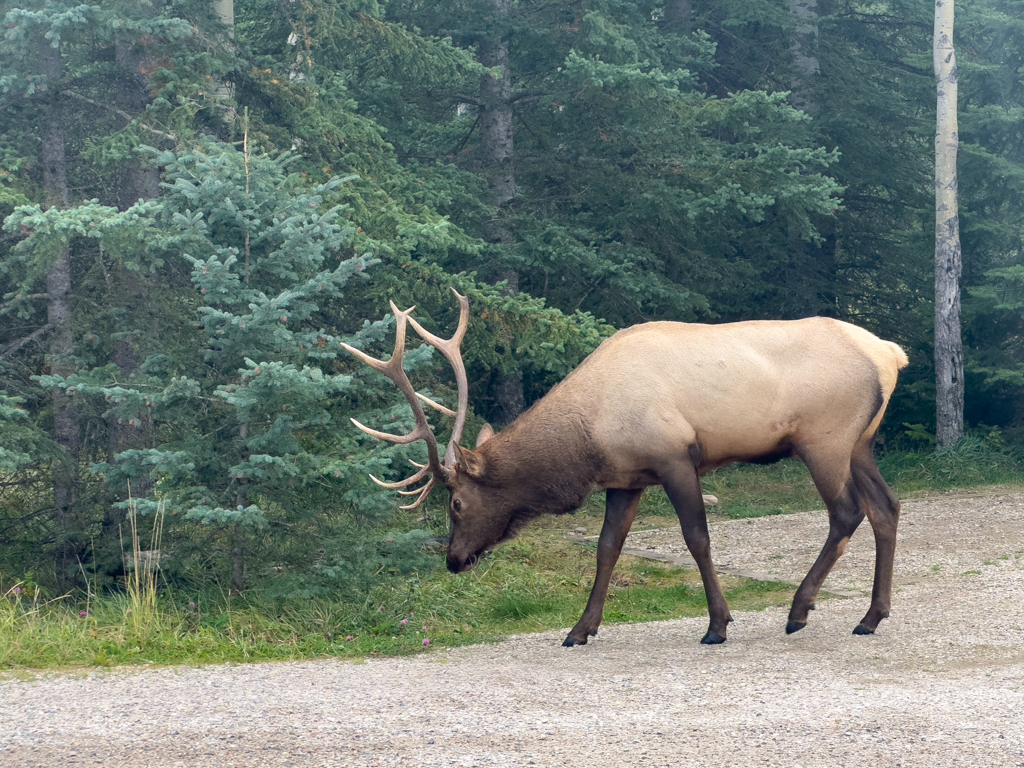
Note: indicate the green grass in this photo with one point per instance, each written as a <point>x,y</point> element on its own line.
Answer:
<point>540,581</point>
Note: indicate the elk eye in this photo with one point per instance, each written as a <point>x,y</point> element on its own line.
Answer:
<point>456,505</point>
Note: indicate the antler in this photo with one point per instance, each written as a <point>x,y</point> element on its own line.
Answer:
<point>450,348</point>
<point>394,371</point>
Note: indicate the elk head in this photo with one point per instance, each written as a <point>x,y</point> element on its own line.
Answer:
<point>476,510</point>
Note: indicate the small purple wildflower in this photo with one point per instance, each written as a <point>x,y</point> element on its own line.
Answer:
<point>403,622</point>
<point>424,628</point>
<point>329,635</point>
<point>382,608</point>
<point>16,590</point>
<point>348,639</point>
<point>426,642</point>
<point>82,615</point>
<point>412,615</point>
<point>191,604</point>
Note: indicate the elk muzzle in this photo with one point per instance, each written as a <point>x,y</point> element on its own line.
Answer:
<point>458,564</point>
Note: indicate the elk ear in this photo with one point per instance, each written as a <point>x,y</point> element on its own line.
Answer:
<point>469,463</point>
<point>486,433</point>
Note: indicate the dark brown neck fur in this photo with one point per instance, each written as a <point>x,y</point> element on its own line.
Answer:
<point>548,458</point>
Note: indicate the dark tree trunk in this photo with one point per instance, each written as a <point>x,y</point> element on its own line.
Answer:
<point>59,360</point>
<point>237,559</point>
<point>139,180</point>
<point>237,532</point>
<point>678,16</point>
<point>506,390</point>
<point>949,352</point>
<point>496,114</point>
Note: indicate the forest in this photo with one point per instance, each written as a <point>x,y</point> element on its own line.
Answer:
<point>202,201</point>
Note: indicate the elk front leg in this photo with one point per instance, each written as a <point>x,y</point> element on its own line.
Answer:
<point>843,518</point>
<point>619,514</point>
<point>683,488</point>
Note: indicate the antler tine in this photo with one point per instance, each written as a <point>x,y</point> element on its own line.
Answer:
<point>450,349</point>
<point>423,495</point>
<point>436,406</point>
<point>403,483</point>
<point>394,371</point>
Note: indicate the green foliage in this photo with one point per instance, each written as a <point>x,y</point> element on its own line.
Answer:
<point>21,442</point>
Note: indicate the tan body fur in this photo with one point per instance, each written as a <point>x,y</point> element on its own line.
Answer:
<point>740,391</point>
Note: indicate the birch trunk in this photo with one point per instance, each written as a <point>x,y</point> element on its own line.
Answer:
<point>224,93</point>
<point>949,354</point>
<point>803,46</point>
<point>62,341</point>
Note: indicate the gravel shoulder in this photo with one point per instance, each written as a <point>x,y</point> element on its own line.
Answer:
<point>940,684</point>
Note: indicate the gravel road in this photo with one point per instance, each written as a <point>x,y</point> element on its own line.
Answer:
<point>940,684</point>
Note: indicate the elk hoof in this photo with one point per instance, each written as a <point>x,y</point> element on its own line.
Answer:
<point>794,626</point>
<point>712,638</point>
<point>861,629</point>
<point>570,641</point>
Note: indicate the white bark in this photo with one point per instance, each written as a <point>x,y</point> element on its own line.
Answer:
<point>224,93</point>
<point>226,11</point>
<point>803,45</point>
<point>949,356</point>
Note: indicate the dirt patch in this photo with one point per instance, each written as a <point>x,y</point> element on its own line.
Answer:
<point>940,684</point>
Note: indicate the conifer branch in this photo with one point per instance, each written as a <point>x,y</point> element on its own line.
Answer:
<point>7,304</point>
<point>126,115</point>
<point>13,347</point>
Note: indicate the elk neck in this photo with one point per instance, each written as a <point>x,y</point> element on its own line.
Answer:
<point>547,457</point>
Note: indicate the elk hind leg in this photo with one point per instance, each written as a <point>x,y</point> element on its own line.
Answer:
<point>619,514</point>
<point>835,484</point>
<point>682,485</point>
<point>883,511</point>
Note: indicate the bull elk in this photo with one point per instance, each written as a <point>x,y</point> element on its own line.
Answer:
<point>661,404</point>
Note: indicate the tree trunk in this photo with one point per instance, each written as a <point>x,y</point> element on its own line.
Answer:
<point>496,115</point>
<point>237,558</point>
<point>224,93</point>
<point>678,15</point>
<point>136,180</point>
<point>506,390</point>
<point>237,532</point>
<point>225,10</point>
<point>803,46</point>
<point>139,180</point>
<point>68,543</point>
<point>949,353</point>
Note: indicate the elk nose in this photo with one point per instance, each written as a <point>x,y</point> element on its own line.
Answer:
<point>454,564</point>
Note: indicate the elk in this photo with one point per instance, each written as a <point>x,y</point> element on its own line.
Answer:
<point>661,404</point>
